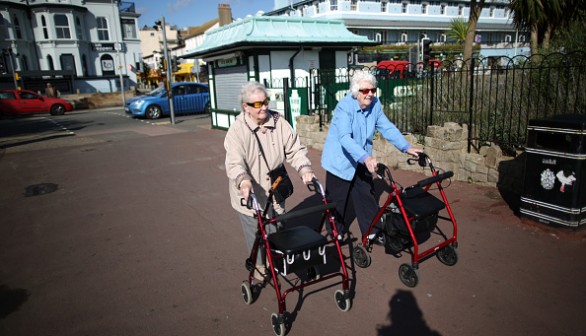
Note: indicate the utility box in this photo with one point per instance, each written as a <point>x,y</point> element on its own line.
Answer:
<point>553,189</point>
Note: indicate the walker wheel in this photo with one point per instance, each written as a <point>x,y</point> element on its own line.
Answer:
<point>246,292</point>
<point>342,301</point>
<point>278,323</point>
<point>361,256</point>
<point>408,275</point>
<point>448,255</point>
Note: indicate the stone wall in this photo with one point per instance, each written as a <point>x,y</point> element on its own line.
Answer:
<point>446,145</point>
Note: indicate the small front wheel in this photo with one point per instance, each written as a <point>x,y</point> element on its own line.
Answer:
<point>408,275</point>
<point>278,323</point>
<point>361,256</point>
<point>246,292</point>
<point>448,255</point>
<point>342,300</point>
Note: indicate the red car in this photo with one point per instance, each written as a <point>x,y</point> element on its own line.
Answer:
<point>28,102</point>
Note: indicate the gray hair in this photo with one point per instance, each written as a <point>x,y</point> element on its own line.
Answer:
<point>250,88</point>
<point>358,77</point>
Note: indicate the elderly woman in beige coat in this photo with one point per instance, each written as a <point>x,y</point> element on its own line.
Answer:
<point>246,168</point>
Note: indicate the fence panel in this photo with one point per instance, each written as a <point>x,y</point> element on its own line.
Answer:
<point>495,97</point>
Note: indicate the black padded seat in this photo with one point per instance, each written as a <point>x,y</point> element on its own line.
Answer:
<point>420,204</point>
<point>296,240</point>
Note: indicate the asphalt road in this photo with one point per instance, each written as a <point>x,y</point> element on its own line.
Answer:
<point>129,231</point>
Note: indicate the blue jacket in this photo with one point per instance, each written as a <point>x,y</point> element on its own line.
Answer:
<point>349,139</point>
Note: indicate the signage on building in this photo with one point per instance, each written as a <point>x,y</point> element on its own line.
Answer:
<point>103,46</point>
<point>227,62</point>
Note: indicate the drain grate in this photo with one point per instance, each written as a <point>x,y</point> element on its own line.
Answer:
<point>40,189</point>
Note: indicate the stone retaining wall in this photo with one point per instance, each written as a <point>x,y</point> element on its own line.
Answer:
<point>447,147</point>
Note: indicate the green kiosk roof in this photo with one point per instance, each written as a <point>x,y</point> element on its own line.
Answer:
<point>275,32</point>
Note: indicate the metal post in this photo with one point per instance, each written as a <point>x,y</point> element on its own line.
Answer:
<point>168,71</point>
<point>118,47</point>
<point>120,67</point>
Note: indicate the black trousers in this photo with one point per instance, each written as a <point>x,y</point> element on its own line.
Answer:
<point>354,199</point>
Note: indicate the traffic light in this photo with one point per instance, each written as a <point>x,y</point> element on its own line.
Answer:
<point>426,49</point>
<point>174,64</point>
<point>162,64</point>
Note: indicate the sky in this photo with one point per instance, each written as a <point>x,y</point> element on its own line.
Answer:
<point>185,13</point>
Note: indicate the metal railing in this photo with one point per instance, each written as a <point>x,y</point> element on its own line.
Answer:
<point>495,97</point>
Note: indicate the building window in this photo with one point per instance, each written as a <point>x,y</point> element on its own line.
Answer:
<point>67,62</point>
<point>424,9</point>
<point>44,25</point>
<point>443,38</point>
<point>404,7</point>
<point>78,29</point>
<point>50,64</point>
<point>460,10</point>
<point>102,28</point>
<point>128,29</point>
<point>62,27</point>
<point>17,28</point>
<point>404,37</point>
<point>24,63</point>
<point>84,65</point>
<point>491,12</point>
<point>3,28</point>
<point>443,9</point>
<point>508,38</point>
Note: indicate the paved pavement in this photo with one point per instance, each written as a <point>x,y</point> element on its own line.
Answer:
<point>138,238</point>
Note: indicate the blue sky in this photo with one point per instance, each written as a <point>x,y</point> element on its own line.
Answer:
<point>185,13</point>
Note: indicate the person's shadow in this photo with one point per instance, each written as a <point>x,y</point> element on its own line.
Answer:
<point>405,317</point>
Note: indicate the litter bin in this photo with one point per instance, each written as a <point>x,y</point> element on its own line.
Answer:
<point>553,189</point>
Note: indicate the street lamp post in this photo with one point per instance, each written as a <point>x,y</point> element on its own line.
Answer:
<point>168,70</point>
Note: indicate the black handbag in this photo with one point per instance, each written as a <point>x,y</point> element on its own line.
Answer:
<point>285,187</point>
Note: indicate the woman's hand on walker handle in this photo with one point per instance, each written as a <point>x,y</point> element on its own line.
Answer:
<point>371,164</point>
<point>308,177</point>
<point>414,152</point>
<point>245,188</point>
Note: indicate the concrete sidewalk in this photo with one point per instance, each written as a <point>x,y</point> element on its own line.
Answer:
<point>139,239</point>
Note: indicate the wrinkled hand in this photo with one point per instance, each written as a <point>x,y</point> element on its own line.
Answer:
<point>245,189</point>
<point>308,177</point>
<point>371,164</point>
<point>414,152</point>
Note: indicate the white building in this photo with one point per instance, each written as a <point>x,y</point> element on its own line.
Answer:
<point>78,45</point>
<point>403,22</point>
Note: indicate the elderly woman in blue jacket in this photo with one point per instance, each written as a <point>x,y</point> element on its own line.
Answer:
<point>347,154</point>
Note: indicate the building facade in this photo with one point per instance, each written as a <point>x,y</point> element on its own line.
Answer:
<point>405,22</point>
<point>83,45</point>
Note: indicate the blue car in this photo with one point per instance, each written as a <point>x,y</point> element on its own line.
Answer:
<point>188,98</point>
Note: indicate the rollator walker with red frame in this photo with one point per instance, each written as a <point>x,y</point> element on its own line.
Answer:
<point>408,219</point>
<point>293,251</point>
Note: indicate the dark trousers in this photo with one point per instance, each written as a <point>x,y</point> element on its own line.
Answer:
<point>354,199</point>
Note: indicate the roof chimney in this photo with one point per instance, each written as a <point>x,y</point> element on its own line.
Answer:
<point>224,14</point>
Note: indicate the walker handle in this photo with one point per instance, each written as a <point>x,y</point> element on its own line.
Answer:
<point>433,179</point>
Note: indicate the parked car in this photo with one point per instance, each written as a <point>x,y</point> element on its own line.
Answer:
<point>19,102</point>
<point>188,98</point>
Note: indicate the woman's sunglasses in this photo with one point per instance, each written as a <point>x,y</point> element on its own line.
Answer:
<point>259,104</point>
<point>366,91</point>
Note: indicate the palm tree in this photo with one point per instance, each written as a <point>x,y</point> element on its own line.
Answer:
<point>475,9</point>
<point>530,15</point>
<point>458,30</point>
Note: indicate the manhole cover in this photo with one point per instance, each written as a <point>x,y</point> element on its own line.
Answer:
<point>40,189</point>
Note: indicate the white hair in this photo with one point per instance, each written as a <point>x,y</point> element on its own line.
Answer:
<point>358,77</point>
